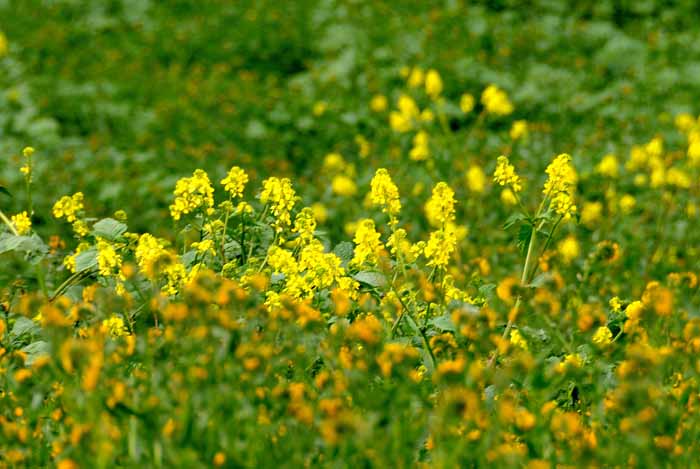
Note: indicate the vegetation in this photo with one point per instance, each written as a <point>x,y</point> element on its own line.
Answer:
<point>346,233</point>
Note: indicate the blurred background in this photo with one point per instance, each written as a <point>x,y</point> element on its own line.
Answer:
<point>121,98</point>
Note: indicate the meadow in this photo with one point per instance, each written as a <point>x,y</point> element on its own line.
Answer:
<point>346,233</point>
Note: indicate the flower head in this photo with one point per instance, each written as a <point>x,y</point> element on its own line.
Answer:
<point>22,223</point>
<point>440,209</point>
<point>385,193</point>
<point>192,193</point>
<point>68,207</point>
<point>235,181</point>
<point>505,175</point>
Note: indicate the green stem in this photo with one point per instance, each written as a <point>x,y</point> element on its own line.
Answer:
<point>9,224</point>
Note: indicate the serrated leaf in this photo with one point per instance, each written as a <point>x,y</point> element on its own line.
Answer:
<point>86,260</point>
<point>109,229</point>
<point>374,279</point>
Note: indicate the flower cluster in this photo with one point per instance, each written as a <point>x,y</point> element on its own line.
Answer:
<point>192,193</point>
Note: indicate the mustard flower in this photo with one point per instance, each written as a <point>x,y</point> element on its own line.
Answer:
<point>420,150</point>
<point>3,45</point>
<point>517,339</point>
<point>115,326</point>
<point>22,223</point>
<point>440,209</point>
<point>234,183</point>
<point>505,175</point>
<point>281,196</point>
<point>518,130</point>
<point>385,193</point>
<point>496,101</point>
<point>440,246</point>
<point>68,207</point>
<point>602,336</point>
<point>367,243</point>
<point>305,224</point>
<point>466,103</point>
<point>560,185</point>
<point>192,193</point>
<point>108,260</point>
<point>476,179</point>
<point>433,84</point>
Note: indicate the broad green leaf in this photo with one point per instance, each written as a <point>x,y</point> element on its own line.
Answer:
<point>109,229</point>
<point>374,279</point>
<point>86,260</point>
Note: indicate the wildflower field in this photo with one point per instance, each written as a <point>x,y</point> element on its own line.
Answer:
<point>349,234</point>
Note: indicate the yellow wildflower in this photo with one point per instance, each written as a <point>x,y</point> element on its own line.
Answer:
<point>343,186</point>
<point>602,336</point>
<point>367,243</point>
<point>608,166</point>
<point>281,196</point>
<point>441,207</point>
<point>517,339</point>
<point>235,181</point>
<point>496,101</point>
<point>505,175</point>
<point>518,129</point>
<point>379,103</point>
<point>440,246</point>
<point>68,206</point>
<point>108,261</point>
<point>433,84</point>
<point>115,326</point>
<point>22,223</point>
<point>192,193</point>
<point>466,103</point>
<point>385,193</point>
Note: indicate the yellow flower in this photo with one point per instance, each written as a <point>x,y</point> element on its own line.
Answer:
<point>560,185</point>
<point>305,224</point>
<point>367,243</point>
<point>505,175</point>
<point>694,153</point>
<point>22,223</point>
<point>420,150</point>
<point>508,197</point>
<point>591,213</point>
<point>115,326</point>
<point>571,360</point>
<point>191,194</point>
<point>343,186</point>
<point>402,120</point>
<point>433,84</point>
<point>476,179</point>
<point>440,246</point>
<point>517,339</point>
<point>320,212</point>
<point>608,166</point>
<point>379,103</point>
<point>684,122</point>
<point>440,209</point>
<point>602,336</point>
<point>108,261</point>
<point>385,193</point>
<point>235,181</point>
<point>281,197</point>
<point>68,206</point>
<point>569,249</point>
<point>496,101</point>
<point>518,129</point>
<point>466,103</point>
<point>416,77</point>
<point>627,203</point>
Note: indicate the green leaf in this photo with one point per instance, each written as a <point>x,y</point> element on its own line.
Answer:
<point>3,190</point>
<point>373,279</point>
<point>513,219</point>
<point>10,242</point>
<point>444,323</point>
<point>35,350</point>
<point>344,251</point>
<point>109,229</point>
<point>524,236</point>
<point>86,260</point>
<point>23,326</point>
